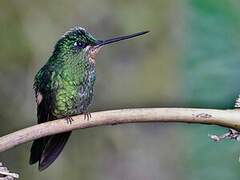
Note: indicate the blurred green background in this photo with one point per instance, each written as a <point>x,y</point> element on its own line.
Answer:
<point>191,58</point>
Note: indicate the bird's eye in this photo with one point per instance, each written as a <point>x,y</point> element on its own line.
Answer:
<point>78,44</point>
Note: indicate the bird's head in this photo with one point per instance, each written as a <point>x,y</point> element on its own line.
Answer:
<point>77,40</point>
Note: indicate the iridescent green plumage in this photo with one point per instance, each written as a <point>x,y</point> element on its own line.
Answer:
<point>64,87</point>
<point>69,75</point>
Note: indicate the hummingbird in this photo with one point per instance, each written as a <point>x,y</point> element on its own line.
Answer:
<point>64,87</point>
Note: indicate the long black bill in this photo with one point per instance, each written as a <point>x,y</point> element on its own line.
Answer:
<point>120,38</point>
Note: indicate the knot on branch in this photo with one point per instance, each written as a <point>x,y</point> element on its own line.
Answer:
<point>5,174</point>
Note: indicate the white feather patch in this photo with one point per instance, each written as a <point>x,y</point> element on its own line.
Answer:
<point>237,103</point>
<point>39,98</point>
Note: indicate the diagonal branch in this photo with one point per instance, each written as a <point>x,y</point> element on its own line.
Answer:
<point>225,118</point>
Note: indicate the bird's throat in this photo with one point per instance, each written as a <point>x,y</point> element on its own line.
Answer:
<point>92,52</point>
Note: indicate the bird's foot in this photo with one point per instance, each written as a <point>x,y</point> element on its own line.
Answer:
<point>69,120</point>
<point>87,115</point>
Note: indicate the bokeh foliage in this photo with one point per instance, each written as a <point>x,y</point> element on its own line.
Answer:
<point>191,58</point>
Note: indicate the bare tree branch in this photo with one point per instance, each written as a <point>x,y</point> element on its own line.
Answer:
<point>5,174</point>
<point>225,118</point>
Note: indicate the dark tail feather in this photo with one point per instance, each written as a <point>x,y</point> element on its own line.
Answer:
<point>52,149</point>
<point>36,151</point>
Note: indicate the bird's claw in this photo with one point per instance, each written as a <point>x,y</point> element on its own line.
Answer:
<point>69,120</point>
<point>87,115</point>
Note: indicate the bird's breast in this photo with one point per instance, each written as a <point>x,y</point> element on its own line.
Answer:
<point>85,92</point>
